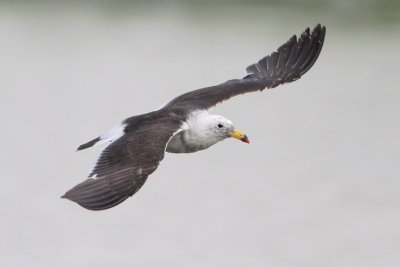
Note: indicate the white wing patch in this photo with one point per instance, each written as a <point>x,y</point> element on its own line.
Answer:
<point>112,135</point>
<point>108,137</point>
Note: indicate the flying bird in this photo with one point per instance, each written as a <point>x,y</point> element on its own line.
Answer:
<point>184,125</point>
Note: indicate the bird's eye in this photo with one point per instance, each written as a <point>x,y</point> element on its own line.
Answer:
<point>220,125</point>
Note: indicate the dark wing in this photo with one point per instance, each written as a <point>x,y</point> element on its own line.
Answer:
<point>124,165</point>
<point>288,64</point>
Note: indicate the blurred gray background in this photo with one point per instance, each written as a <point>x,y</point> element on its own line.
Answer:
<point>318,186</point>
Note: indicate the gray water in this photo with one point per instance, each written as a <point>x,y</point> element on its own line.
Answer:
<point>318,186</point>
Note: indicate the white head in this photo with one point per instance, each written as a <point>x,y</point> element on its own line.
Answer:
<point>203,130</point>
<point>221,128</point>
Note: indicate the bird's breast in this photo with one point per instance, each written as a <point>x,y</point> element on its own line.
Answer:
<point>188,142</point>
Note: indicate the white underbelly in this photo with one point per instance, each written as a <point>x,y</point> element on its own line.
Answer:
<point>175,145</point>
<point>184,142</point>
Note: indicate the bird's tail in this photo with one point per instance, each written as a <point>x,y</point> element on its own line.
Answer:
<point>89,144</point>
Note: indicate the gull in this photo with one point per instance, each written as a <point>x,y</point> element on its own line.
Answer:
<point>184,125</point>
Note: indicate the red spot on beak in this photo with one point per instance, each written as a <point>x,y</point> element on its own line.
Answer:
<point>245,139</point>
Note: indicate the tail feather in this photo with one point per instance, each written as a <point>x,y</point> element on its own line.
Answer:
<point>89,144</point>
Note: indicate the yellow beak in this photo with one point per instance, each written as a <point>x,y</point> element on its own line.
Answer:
<point>240,136</point>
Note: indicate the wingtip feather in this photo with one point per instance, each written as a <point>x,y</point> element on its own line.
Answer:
<point>107,191</point>
<point>292,59</point>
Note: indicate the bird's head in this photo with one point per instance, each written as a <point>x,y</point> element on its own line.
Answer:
<point>225,129</point>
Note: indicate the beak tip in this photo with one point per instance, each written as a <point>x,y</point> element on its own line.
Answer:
<point>246,139</point>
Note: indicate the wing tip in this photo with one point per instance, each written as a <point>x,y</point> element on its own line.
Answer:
<point>292,59</point>
<point>107,191</point>
<point>319,31</point>
<point>85,201</point>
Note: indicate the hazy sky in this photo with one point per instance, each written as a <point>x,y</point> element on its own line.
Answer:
<point>318,186</point>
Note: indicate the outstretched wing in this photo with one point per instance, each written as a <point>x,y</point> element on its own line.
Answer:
<point>124,165</point>
<point>288,64</point>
